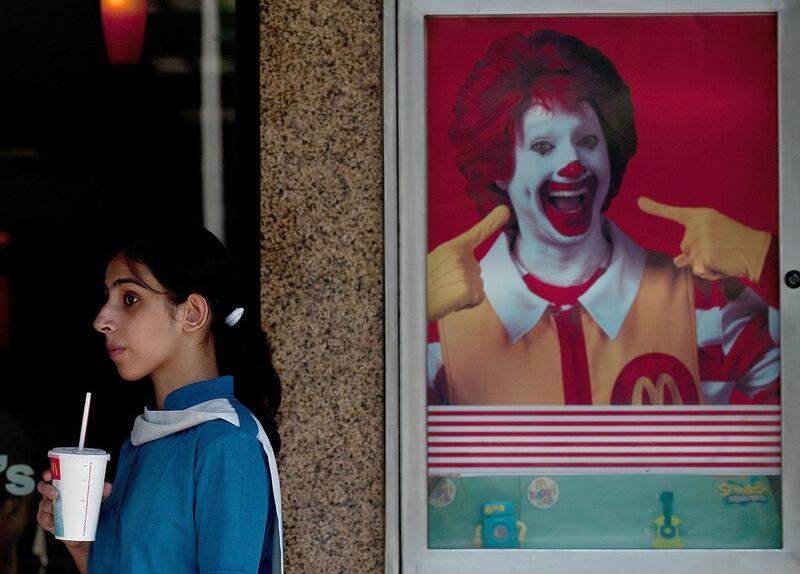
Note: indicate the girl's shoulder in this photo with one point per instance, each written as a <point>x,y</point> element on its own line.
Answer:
<point>222,433</point>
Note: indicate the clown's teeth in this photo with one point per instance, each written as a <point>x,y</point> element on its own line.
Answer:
<point>569,193</point>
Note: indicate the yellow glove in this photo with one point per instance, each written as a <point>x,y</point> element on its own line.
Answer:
<point>454,276</point>
<point>522,532</point>
<point>477,538</point>
<point>714,245</point>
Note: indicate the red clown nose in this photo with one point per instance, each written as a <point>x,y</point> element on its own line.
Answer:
<point>572,170</point>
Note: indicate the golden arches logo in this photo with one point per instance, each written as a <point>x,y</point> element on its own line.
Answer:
<point>656,392</point>
<point>655,377</point>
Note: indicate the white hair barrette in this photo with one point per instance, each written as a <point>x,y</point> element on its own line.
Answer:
<point>234,316</point>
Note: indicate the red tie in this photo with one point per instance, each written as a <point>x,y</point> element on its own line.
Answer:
<point>560,295</point>
<point>574,362</point>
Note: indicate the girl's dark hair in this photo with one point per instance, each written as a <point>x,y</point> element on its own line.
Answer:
<point>193,260</point>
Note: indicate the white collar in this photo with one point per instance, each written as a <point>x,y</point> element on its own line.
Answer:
<point>607,301</point>
<point>153,425</point>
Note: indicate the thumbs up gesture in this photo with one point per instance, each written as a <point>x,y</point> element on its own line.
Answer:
<point>714,245</point>
<point>454,276</point>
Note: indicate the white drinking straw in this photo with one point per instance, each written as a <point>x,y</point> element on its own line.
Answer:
<point>85,420</point>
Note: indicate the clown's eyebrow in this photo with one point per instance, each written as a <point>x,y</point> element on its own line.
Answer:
<point>534,128</point>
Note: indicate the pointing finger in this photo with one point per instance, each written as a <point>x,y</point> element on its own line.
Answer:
<point>682,260</point>
<point>672,212</point>
<point>481,231</point>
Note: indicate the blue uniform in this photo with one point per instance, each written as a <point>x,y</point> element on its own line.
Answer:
<point>196,500</point>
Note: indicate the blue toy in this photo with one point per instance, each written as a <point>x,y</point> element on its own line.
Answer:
<point>499,527</point>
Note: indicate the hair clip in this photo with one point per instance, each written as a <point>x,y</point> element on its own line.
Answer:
<point>234,316</point>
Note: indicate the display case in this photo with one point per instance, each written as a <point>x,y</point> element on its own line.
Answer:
<point>590,279</point>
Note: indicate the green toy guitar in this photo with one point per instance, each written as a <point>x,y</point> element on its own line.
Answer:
<point>667,525</point>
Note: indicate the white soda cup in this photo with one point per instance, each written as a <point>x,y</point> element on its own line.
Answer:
<point>78,475</point>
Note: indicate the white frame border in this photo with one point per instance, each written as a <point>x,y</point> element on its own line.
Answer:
<point>405,242</point>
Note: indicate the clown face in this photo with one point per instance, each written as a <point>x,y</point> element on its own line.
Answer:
<point>561,174</point>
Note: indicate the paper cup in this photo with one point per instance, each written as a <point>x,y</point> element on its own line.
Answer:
<point>78,475</point>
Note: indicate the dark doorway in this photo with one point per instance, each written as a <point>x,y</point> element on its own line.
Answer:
<point>88,152</point>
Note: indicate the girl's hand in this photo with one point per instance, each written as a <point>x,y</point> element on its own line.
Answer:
<point>45,514</point>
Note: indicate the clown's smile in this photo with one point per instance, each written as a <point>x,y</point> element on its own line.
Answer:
<point>568,205</point>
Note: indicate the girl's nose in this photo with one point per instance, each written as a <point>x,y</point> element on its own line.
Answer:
<point>102,322</point>
<point>572,170</point>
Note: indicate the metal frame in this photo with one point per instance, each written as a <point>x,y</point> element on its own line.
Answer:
<point>391,315</point>
<point>406,246</point>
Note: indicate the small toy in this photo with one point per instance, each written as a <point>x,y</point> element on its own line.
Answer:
<point>499,527</point>
<point>667,531</point>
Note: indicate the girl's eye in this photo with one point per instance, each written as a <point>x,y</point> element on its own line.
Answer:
<point>129,299</point>
<point>542,147</point>
<point>589,141</point>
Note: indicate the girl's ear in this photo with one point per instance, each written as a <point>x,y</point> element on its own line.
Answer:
<point>196,313</point>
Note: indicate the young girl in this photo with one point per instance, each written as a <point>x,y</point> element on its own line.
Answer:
<point>197,485</point>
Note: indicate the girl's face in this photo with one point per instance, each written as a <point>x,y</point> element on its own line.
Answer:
<point>561,173</point>
<point>141,333</point>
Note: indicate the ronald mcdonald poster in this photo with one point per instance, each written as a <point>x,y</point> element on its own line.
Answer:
<point>602,306</point>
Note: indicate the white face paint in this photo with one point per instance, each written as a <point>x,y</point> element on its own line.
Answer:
<point>561,175</point>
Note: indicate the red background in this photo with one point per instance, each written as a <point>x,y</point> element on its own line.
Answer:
<point>704,91</point>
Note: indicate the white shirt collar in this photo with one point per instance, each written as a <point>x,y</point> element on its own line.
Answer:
<point>607,301</point>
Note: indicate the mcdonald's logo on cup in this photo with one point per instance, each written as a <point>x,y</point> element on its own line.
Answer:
<point>55,468</point>
<point>655,379</point>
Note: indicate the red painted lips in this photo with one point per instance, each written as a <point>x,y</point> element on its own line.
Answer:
<point>568,205</point>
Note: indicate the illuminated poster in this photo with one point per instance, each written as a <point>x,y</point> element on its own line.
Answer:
<point>603,360</point>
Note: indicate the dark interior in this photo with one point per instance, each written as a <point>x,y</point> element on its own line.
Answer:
<point>90,151</point>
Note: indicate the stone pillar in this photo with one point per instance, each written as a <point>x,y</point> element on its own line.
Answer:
<point>322,273</point>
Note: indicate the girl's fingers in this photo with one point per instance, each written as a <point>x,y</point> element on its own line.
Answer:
<point>45,521</point>
<point>45,515</point>
<point>47,490</point>
<point>49,493</point>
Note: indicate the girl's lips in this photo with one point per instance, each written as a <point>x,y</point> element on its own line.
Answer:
<point>114,352</point>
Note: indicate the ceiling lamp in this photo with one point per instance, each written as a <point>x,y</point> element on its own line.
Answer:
<point>123,28</point>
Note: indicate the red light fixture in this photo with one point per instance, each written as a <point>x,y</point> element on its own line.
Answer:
<point>123,28</point>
